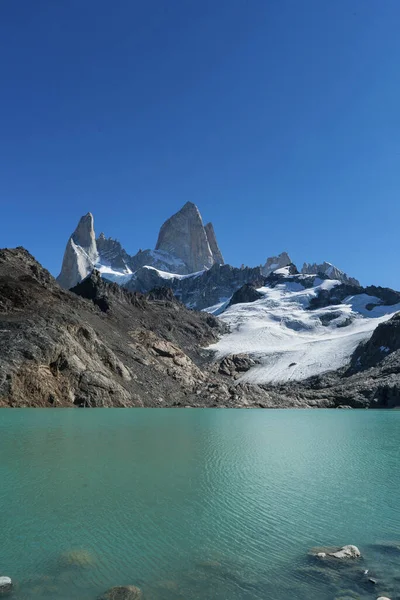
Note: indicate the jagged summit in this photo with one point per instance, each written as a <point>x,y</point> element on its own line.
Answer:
<point>184,246</point>
<point>80,254</point>
<point>276,262</point>
<point>329,271</point>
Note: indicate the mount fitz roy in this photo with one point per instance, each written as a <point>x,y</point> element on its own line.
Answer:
<point>186,258</point>
<point>176,326</point>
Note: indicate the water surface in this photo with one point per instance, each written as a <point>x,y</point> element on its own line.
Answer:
<point>197,504</point>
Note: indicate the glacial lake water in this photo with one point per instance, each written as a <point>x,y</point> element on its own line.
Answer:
<point>198,504</point>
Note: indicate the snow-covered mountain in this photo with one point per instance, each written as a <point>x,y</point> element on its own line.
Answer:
<point>301,325</point>
<point>186,258</point>
<point>293,325</point>
<point>330,271</point>
<point>184,246</point>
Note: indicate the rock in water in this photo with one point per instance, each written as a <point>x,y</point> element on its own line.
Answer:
<point>5,585</point>
<point>80,254</point>
<point>348,551</point>
<point>123,592</point>
<point>344,552</point>
<point>77,558</point>
<point>183,236</point>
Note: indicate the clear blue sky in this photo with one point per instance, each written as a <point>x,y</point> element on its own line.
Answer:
<point>280,119</point>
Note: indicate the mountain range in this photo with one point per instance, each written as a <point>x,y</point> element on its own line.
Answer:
<point>176,326</point>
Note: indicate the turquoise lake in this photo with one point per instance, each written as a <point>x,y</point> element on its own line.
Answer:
<point>198,503</point>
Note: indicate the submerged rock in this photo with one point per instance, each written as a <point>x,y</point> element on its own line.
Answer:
<point>78,558</point>
<point>122,592</point>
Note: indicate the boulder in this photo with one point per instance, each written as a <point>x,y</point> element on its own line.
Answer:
<point>247,293</point>
<point>5,584</point>
<point>122,592</point>
<point>343,552</point>
<point>348,551</point>
<point>78,557</point>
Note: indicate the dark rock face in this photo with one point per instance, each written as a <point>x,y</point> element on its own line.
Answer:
<point>247,293</point>
<point>235,364</point>
<point>338,293</point>
<point>384,341</point>
<point>100,349</point>
<point>199,291</point>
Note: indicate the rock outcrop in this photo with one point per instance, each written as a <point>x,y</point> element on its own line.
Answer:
<point>100,346</point>
<point>123,592</point>
<point>247,293</point>
<point>384,341</point>
<point>276,262</point>
<point>328,270</point>
<point>80,254</point>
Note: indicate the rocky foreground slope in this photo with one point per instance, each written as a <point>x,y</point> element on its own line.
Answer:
<point>100,345</point>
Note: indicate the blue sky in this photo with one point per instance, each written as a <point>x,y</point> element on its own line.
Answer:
<point>280,119</point>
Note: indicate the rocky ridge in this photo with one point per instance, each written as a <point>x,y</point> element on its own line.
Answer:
<point>187,259</point>
<point>101,345</point>
<point>184,246</point>
<point>328,270</point>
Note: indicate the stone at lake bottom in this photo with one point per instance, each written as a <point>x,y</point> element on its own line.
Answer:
<point>321,554</point>
<point>5,584</point>
<point>123,592</point>
<point>348,551</point>
<point>79,557</point>
<point>383,598</point>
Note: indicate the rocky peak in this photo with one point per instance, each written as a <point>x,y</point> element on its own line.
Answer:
<point>84,234</point>
<point>111,253</point>
<point>329,271</point>
<point>183,236</point>
<point>212,240</point>
<point>80,254</point>
<point>276,262</point>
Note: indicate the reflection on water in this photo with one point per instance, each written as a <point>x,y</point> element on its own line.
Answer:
<point>198,503</point>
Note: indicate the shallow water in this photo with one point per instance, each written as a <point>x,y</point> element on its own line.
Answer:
<point>199,503</point>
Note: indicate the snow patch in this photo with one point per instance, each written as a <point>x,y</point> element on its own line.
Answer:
<point>167,275</point>
<point>293,343</point>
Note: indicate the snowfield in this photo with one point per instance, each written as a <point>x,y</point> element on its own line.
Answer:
<point>293,343</point>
